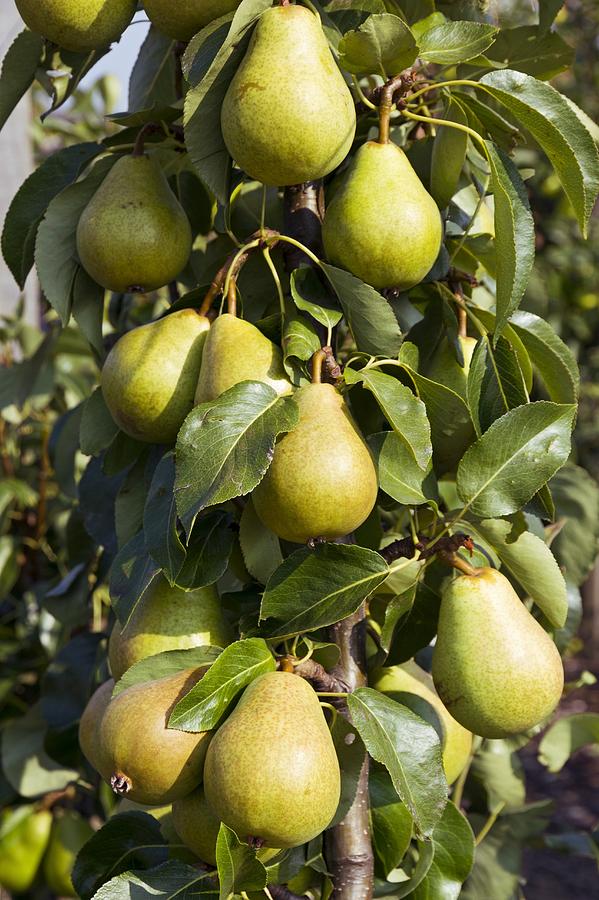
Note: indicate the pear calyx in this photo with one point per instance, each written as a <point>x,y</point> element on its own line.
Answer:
<point>120,784</point>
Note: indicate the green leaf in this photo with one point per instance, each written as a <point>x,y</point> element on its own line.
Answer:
<point>238,868</point>
<point>239,664</point>
<point>310,295</point>
<point>168,880</point>
<point>369,316</point>
<point>528,50</point>
<point>391,822</point>
<point>208,550</point>
<point>225,447</point>
<point>576,496</point>
<point>550,356</point>
<point>453,857</point>
<point>409,749</point>
<point>160,520</point>
<point>315,588</point>
<point>416,617</point>
<point>498,767</point>
<point>515,458</point>
<point>382,45</point>
<point>131,574</point>
<point>455,42</point>
<point>495,382</point>
<point>449,154</point>
<point>565,737</point>
<point>260,546</point>
<point>514,234</point>
<point>405,413</point>
<point>127,841</point>
<point>398,473</point>
<point>18,71</point>
<point>98,429</point>
<point>502,132</point>
<point>532,564</point>
<point>25,763</point>
<point>153,79</point>
<point>31,201</point>
<point>88,310</point>
<point>558,130</point>
<point>56,245</point>
<point>169,662</point>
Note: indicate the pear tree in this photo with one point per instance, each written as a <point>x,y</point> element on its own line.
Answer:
<point>288,564</point>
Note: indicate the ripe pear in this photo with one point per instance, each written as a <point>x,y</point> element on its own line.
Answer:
<point>24,835</point>
<point>150,376</point>
<point>445,369</point>
<point>236,351</point>
<point>381,224</point>
<point>69,833</point>
<point>271,770</point>
<point>184,19</point>
<point>140,756</point>
<point>288,115</point>
<point>134,236</point>
<point>78,26</point>
<point>89,725</point>
<point>408,679</point>
<point>496,670</point>
<point>322,481</point>
<point>167,618</point>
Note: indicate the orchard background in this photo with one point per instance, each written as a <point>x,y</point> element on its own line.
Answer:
<point>77,530</point>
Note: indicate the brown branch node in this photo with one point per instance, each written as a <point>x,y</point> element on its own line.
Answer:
<point>405,548</point>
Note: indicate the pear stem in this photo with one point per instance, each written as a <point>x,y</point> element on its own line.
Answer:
<point>317,363</point>
<point>397,83</point>
<point>139,146</point>
<point>462,321</point>
<point>232,297</point>
<point>459,563</point>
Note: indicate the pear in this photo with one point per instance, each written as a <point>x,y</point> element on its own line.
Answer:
<point>496,670</point>
<point>184,19</point>
<point>445,369</point>
<point>237,351</point>
<point>150,376</point>
<point>167,618</point>
<point>322,481</point>
<point>409,679</point>
<point>24,835</point>
<point>77,26</point>
<point>134,236</point>
<point>89,725</point>
<point>271,770</point>
<point>288,115</point>
<point>69,833</point>
<point>140,756</point>
<point>381,224</point>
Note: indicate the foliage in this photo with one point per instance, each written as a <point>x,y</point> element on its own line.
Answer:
<point>90,517</point>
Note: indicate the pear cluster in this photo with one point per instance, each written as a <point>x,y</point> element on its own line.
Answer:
<point>210,777</point>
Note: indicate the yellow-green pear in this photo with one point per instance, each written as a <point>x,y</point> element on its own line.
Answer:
<point>409,678</point>
<point>70,832</point>
<point>236,351</point>
<point>495,668</point>
<point>90,723</point>
<point>197,826</point>
<point>271,770</point>
<point>141,757</point>
<point>445,369</point>
<point>182,19</point>
<point>76,25</point>
<point>167,618</point>
<point>288,115</point>
<point>322,481</point>
<point>134,235</point>
<point>381,224</point>
<point>150,376</point>
<point>24,835</point>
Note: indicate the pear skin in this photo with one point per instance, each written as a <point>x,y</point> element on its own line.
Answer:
<point>150,376</point>
<point>90,722</point>
<point>495,669</point>
<point>381,224</point>
<point>25,835</point>
<point>184,19</point>
<point>409,678</point>
<point>140,756</point>
<point>76,26</point>
<point>288,115</point>
<point>445,369</point>
<point>69,833</point>
<point>134,235</point>
<point>271,770</point>
<point>322,481</point>
<point>167,618</point>
<point>237,351</point>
